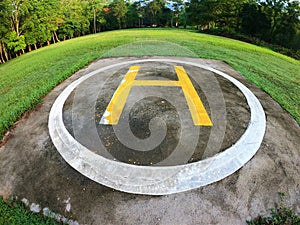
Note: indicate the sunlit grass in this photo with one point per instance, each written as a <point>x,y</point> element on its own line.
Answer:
<point>26,79</point>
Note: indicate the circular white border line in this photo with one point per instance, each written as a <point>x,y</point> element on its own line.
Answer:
<point>152,180</point>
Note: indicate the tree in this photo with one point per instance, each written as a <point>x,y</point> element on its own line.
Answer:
<point>4,30</point>
<point>176,6</point>
<point>93,5</point>
<point>295,43</point>
<point>284,17</point>
<point>17,10</point>
<point>273,10</point>
<point>73,14</point>
<point>15,42</point>
<point>140,9</point>
<point>101,18</point>
<point>287,24</point>
<point>41,21</point>
<point>96,14</point>
<point>119,10</point>
<point>132,15</point>
<point>254,22</point>
<point>155,8</point>
<point>183,15</point>
<point>203,12</point>
<point>227,13</point>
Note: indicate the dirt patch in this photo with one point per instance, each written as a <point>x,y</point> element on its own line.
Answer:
<point>31,167</point>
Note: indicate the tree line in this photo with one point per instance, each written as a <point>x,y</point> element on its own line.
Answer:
<point>30,24</point>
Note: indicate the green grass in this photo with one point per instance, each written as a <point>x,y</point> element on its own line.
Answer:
<point>14,213</point>
<point>26,79</point>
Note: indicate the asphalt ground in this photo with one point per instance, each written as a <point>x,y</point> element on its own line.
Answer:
<point>32,168</point>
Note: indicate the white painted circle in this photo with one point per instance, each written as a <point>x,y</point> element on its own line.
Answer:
<point>157,180</point>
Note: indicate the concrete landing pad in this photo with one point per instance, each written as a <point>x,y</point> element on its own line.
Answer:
<point>32,167</point>
<point>101,148</point>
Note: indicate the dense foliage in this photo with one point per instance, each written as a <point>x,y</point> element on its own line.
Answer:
<point>28,24</point>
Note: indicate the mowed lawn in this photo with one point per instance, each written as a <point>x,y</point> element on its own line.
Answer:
<point>25,80</point>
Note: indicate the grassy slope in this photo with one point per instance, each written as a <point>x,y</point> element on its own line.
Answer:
<point>25,80</point>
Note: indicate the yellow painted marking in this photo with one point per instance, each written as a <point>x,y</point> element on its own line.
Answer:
<point>197,109</point>
<point>117,103</point>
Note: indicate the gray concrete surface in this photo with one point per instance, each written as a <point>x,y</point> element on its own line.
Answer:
<point>31,167</point>
<point>166,176</point>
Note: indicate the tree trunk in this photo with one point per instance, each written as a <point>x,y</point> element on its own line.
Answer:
<point>29,48</point>
<point>48,42</point>
<point>55,35</point>
<point>5,55</point>
<point>1,54</point>
<point>15,19</point>
<point>35,47</point>
<point>119,22</point>
<point>95,20</point>
<point>5,52</point>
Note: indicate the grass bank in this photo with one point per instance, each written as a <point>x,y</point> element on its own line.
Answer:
<point>26,79</point>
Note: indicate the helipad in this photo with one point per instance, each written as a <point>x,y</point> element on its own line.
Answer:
<point>157,126</point>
